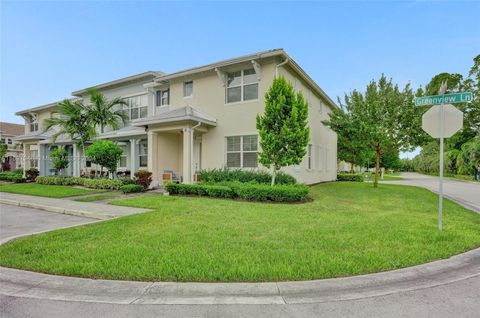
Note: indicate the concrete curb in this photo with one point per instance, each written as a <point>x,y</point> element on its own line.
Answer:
<point>19,283</point>
<point>55,209</point>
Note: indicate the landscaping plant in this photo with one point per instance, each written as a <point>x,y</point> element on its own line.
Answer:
<point>106,154</point>
<point>143,178</point>
<point>283,127</point>
<point>31,174</point>
<point>59,158</point>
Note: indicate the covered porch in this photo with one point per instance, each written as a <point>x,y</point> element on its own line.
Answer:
<point>174,142</point>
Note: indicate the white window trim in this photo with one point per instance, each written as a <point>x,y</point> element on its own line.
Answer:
<point>187,96</point>
<point>161,97</point>
<point>241,85</point>
<point>241,151</point>
<point>128,108</point>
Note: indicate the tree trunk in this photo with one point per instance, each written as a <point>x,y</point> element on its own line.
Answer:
<point>274,175</point>
<point>377,165</point>
<point>351,167</point>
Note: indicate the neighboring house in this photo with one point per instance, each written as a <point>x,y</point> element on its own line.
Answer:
<point>199,118</point>
<point>13,157</point>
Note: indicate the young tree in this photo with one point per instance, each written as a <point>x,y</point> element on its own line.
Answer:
<point>59,159</point>
<point>283,128</point>
<point>104,112</point>
<point>105,153</point>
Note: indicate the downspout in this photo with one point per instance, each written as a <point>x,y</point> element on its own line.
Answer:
<point>281,64</point>
<point>192,131</point>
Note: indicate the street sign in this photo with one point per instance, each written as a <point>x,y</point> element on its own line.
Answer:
<point>432,118</point>
<point>444,99</point>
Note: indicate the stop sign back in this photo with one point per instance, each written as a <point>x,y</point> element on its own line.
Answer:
<point>431,121</point>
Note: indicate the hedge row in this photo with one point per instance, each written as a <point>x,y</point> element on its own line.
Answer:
<point>350,177</point>
<point>13,176</point>
<point>105,184</point>
<point>227,175</point>
<point>245,191</point>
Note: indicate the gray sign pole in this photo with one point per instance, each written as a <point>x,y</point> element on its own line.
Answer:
<point>440,186</point>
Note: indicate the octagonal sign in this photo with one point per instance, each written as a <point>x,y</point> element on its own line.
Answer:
<point>453,120</point>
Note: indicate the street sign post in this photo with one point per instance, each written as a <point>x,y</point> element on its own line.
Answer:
<point>442,121</point>
<point>444,99</point>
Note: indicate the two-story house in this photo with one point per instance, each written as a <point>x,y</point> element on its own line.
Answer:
<point>199,118</point>
<point>13,157</point>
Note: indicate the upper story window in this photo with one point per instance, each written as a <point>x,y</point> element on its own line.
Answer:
<point>137,107</point>
<point>9,141</point>
<point>242,86</point>
<point>162,97</point>
<point>187,89</point>
<point>33,122</point>
<point>242,151</point>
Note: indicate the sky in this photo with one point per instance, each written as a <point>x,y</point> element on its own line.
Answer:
<point>49,49</point>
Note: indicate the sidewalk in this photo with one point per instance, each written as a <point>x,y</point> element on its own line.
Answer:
<point>26,284</point>
<point>66,206</point>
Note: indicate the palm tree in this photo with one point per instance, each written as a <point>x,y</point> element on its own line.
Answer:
<point>71,118</point>
<point>104,112</point>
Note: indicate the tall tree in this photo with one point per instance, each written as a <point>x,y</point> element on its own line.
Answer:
<point>104,112</point>
<point>71,118</point>
<point>283,128</point>
<point>387,117</point>
<point>351,146</point>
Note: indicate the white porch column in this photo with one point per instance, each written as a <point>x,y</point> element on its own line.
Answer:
<point>153,157</point>
<point>187,155</point>
<point>76,161</point>
<point>26,158</point>
<point>133,157</point>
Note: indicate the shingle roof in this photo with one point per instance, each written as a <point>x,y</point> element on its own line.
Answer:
<point>11,129</point>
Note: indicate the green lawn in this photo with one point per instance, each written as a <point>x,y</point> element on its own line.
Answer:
<point>50,191</point>
<point>350,228</point>
<point>98,197</point>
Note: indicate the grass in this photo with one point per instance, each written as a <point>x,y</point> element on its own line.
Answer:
<point>391,177</point>
<point>350,228</point>
<point>41,190</point>
<point>98,197</point>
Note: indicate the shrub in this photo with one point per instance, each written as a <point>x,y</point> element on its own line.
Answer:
<point>105,153</point>
<point>131,188</point>
<point>8,176</point>
<point>126,180</point>
<point>105,184</point>
<point>246,191</point>
<point>18,179</point>
<point>226,175</point>
<point>31,174</point>
<point>350,177</point>
<point>59,158</point>
<point>143,178</point>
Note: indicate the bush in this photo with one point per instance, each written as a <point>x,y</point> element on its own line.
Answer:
<point>8,176</point>
<point>131,188</point>
<point>126,180</point>
<point>31,174</point>
<point>105,184</point>
<point>18,179</point>
<point>350,177</point>
<point>245,191</point>
<point>143,178</point>
<point>104,153</point>
<point>227,175</point>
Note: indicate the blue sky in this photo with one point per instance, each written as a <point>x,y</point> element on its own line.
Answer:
<point>49,49</point>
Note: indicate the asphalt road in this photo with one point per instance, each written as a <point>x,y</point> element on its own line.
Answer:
<point>457,299</point>
<point>466,193</point>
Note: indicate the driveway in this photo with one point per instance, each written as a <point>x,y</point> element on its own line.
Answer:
<point>16,220</point>
<point>466,193</point>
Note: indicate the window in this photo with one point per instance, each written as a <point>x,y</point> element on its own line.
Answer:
<point>162,98</point>
<point>33,122</point>
<point>33,158</point>
<point>143,153</point>
<point>242,151</point>
<point>9,141</point>
<point>137,107</point>
<point>188,89</point>
<point>123,157</point>
<point>309,157</point>
<point>242,86</point>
